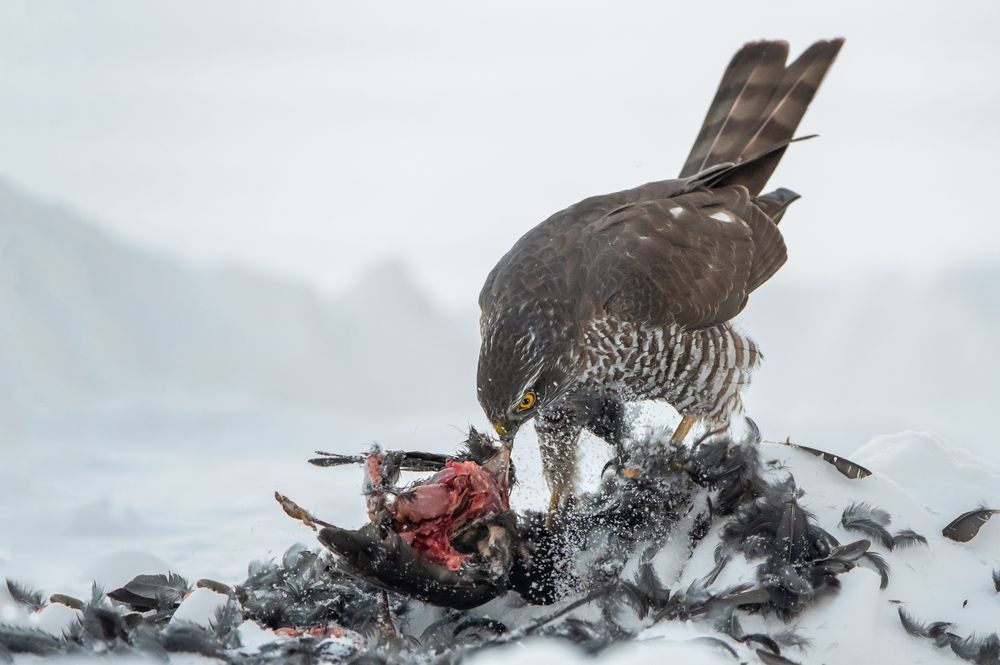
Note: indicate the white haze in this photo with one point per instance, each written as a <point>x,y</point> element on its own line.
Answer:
<point>232,233</point>
<point>316,139</point>
<point>95,326</point>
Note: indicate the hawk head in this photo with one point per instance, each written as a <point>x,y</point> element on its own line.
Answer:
<point>524,364</point>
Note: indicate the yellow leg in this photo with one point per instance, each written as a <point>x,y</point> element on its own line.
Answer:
<point>683,427</point>
<point>553,508</point>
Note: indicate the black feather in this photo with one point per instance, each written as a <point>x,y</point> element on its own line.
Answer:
<point>965,527</point>
<point>224,623</point>
<point>792,533</point>
<point>911,625</point>
<point>846,467</point>
<point>191,638</point>
<point>850,552</point>
<point>996,579</point>
<point>879,565</point>
<point>336,459</point>
<point>152,592</point>
<point>868,520</point>
<point>592,638</point>
<point>763,640</point>
<point>102,624</point>
<point>908,538</point>
<point>980,650</point>
<point>146,639</point>
<point>18,639</point>
<point>769,658</point>
<point>305,590</point>
<point>729,624</point>
<point>24,595</point>
<point>792,638</point>
<point>717,643</point>
<point>656,593</point>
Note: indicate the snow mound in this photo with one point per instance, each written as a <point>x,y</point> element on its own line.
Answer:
<point>918,480</point>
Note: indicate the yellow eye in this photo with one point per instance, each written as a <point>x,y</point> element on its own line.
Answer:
<point>527,401</point>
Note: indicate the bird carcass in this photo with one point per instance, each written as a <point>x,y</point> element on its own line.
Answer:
<point>450,539</point>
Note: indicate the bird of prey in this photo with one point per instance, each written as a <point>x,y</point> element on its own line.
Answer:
<point>628,296</point>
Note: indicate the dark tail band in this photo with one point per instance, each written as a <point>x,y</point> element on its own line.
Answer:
<point>758,107</point>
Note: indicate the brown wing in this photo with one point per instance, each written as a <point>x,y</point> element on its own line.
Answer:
<point>690,259</point>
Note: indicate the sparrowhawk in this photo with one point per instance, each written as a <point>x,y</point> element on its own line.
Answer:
<point>628,296</point>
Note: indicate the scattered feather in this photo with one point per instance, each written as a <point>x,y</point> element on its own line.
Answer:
<point>24,595</point>
<point>965,527</point>
<point>908,538</point>
<point>763,640</point>
<point>217,587</point>
<point>226,620</point>
<point>851,551</point>
<point>980,650</point>
<point>152,592</point>
<point>307,596</point>
<point>716,643</point>
<point>769,658</point>
<point>871,521</point>
<point>846,467</point>
<point>192,638</point>
<point>983,650</point>
<point>68,601</point>
<point>879,565</point>
<point>793,639</point>
<point>21,639</point>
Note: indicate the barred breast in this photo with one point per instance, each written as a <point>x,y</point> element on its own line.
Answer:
<point>698,372</point>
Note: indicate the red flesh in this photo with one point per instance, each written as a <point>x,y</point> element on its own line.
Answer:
<point>428,516</point>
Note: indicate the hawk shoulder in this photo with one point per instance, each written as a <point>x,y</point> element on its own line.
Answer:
<point>690,259</point>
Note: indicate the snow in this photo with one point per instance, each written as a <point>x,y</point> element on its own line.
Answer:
<point>199,607</point>
<point>145,439</point>
<point>915,461</point>
<point>677,646</point>
<point>96,328</point>
<point>253,636</point>
<point>55,619</point>
<point>208,513</point>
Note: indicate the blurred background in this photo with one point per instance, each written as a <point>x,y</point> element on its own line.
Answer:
<point>234,232</point>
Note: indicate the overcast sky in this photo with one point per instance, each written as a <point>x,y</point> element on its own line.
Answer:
<point>312,138</point>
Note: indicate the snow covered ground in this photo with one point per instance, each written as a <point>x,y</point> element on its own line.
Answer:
<point>195,498</point>
<point>150,407</point>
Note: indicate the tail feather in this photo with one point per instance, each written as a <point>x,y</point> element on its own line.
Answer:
<point>788,105</point>
<point>758,84</point>
<point>743,94</point>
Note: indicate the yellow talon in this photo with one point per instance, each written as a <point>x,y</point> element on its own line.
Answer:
<point>553,509</point>
<point>683,427</point>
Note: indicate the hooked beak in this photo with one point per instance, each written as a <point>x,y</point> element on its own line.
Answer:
<point>506,435</point>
